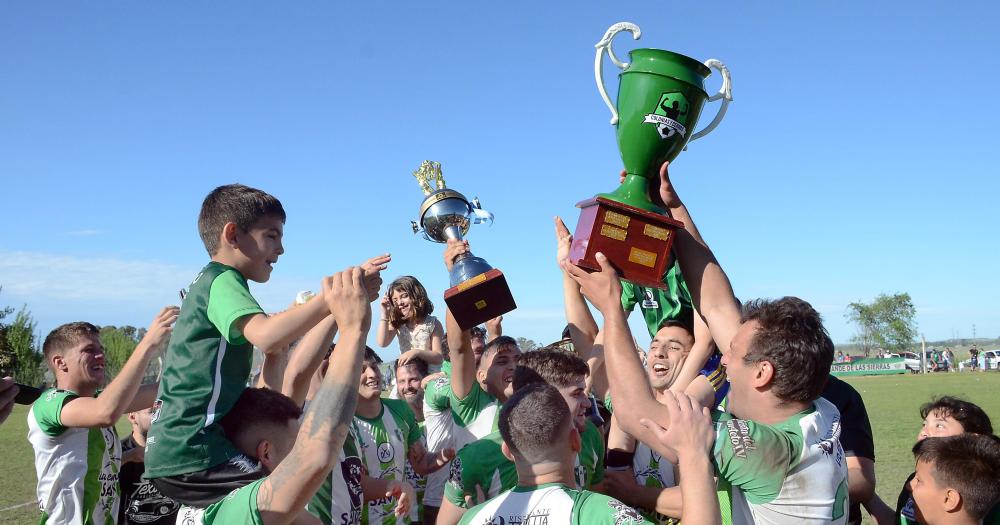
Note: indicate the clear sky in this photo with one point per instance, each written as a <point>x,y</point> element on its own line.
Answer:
<point>856,158</point>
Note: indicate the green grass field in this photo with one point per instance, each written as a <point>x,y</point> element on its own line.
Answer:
<point>893,403</point>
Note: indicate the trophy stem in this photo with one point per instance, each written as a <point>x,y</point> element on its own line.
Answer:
<point>634,191</point>
<point>453,232</point>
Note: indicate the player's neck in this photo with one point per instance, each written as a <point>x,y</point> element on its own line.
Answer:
<point>80,388</point>
<point>771,411</point>
<point>530,475</point>
<point>229,258</point>
<point>369,408</point>
<point>138,437</point>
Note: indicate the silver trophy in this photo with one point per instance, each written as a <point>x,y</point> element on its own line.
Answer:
<point>478,291</point>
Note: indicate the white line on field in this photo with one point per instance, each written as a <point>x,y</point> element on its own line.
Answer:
<point>12,507</point>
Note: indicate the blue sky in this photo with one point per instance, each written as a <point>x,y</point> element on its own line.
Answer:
<point>856,158</point>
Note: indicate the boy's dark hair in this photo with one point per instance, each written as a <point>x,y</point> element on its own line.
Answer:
<point>370,359</point>
<point>555,367</point>
<point>478,331</point>
<point>533,421</point>
<point>494,346</point>
<point>67,335</point>
<point>679,323</point>
<point>235,203</point>
<point>968,463</point>
<point>416,362</point>
<point>972,418</point>
<point>422,306</point>
<point>792,338</point>
<point>257,407</point>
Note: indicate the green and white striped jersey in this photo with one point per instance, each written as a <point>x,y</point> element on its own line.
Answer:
<point>552,503</point>
<point>791,472</point>
<point>77,467</point>
<point>206,369</point>
<point>338,501</point>
<point>240,506</point>
<point>481,471</point>
<point>384,442</point>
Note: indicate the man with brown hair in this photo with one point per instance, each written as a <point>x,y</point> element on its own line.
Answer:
<point>72,427</point>
<point>956,479</point>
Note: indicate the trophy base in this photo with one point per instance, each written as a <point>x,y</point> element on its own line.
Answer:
<point>635,241</point>
<point>479,299</point>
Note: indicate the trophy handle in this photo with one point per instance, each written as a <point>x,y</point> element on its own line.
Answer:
<point>725,93</point>
<point>605,45</point>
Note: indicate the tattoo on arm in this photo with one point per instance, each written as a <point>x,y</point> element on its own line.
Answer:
<point>332,407</point>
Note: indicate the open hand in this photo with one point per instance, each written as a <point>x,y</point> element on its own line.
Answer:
<point>602,288</point>
<point>347,298</point>
<point>371,269</point>
<point>404,495</point>
<point>690,431</point>
<point>161,328</point>
<point>564,240</point>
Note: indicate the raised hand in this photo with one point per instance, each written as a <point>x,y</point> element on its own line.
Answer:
<point>385,304</point>
<point>346,296</point>
<point>372,271</point>
<point>602,288</point>
<point>404,494</point>
<point>666,196</point>
<point>564,240</point>
<point>690,431</point>
<point>493,327</point>
<point>161,328</point>
<point>453,250</point>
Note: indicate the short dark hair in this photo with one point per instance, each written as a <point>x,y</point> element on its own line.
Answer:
<point>967,463</point>
<point>792,338</point>
<point>416,362</point>
<point>477,331</point>
<point>257,407</point>
<point>972,418</point>
<point>422,305</point>
<point>238,204</point>
<point>533,421</point>
<point>555,367</point>
<point>371,359</point>
<point>678,323</point>
<point>67,335</point>
<point>495,345</point>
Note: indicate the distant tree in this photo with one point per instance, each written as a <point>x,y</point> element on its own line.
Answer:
<point>886,322</point>
<point>526,345</point>
<point>21,339</point>
<point>118,346</point>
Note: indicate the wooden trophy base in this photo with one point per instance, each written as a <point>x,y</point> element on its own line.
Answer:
<point>636,242</point>
<point>479,299</point>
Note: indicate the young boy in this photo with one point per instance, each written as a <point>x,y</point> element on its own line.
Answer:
<point>188,457</point>
<point>943,417</point>
<point>71,427</point>
<point>956,479</point>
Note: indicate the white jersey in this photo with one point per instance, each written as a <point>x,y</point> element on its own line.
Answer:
<point>552,504</point>
<point>791,472</point>
<point>77,468</point>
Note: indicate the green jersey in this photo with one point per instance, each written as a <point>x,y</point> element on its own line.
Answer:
<point>338,501</point>
<point>384,443</point>
<point>77,468</point>
<point>206,369</point>
<point>240,506</point>
<point>552,503</point>
<point>658,305</point>
<point>791,472</point>
<point>481,471</point>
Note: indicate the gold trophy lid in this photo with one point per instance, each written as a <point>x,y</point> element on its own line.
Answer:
<point>429,172</point>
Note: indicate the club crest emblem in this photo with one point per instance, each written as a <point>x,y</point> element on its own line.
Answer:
<point>666,116</point>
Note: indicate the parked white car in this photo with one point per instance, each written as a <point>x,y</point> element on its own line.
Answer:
<point>988,360</point>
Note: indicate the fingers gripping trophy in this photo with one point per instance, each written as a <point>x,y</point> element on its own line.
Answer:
<point>478,291</point>
<point>660,97</point>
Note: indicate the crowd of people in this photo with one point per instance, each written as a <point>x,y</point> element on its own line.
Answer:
<point>730,416</point>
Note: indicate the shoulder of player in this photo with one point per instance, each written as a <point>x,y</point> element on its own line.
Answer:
<point>593,506</point>
<point>400,409</point>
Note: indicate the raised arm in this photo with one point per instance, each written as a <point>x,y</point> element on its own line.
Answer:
<point>385,332</point>
<point>582,327</point>
<point>119,396</point>
<point>628,381</point>
<point>711,291</point>
<point>283,495</point>
<point>306,358</point>
<point>699,354</point>
<point>463,361</point>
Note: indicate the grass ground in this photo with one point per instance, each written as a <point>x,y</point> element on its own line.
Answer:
<point>893,403</point>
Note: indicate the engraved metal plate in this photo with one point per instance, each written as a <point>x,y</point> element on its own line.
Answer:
<point>615,218</point>
<point>642,257</point>
<point>471,282</point>
<point>480,304</point>
<point>656,232</point>
<point>610,231</point>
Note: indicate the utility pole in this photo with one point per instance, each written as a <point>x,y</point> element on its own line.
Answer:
<point>973,331</point>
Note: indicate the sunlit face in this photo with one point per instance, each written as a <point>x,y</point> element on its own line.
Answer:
<point>260,248</point>
<point>937,424</point>
<point>83,363</point>
<point>740,374</point>
<point>578,401</point>
<point>403,302</point>
<point>667,353</point>
<point>281,441</point>
<point>500,372</point>
<point>408,384</point>
<point>370,386</point>
<point>927,495</point>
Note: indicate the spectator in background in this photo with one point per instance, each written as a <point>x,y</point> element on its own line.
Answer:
<point>949,359</point>
<point>974,357</point>
<point>141,502</point>
<point>840,357</point>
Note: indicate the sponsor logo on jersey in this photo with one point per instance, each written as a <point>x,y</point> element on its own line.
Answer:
<point>739,437</point>
<point>623,513</point>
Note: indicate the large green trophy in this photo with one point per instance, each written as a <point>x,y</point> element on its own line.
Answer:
<point>660,97</point>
